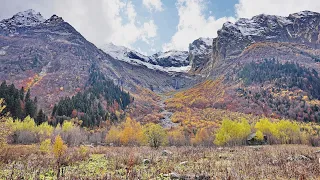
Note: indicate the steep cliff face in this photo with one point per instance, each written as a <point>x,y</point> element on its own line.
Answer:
<point>200,52</point>
<point>233,39</point>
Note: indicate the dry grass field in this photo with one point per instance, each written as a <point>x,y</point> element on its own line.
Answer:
<point>246,162</point>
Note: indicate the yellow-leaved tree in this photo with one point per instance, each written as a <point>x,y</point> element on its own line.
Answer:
<point>176,137</point>
<point>259,136</point>
<point>45,131</point>
<point>45,146</point>
<point>283,131</point>
<point>232,132</point>
<point>113,135</point>
<point>67,126</point>
<point>289,131</point>
<point>59,150</point>
<point>202,137</point>
<point>155,134</point>
<point>131,133</point>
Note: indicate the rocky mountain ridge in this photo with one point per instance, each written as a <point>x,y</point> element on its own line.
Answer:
<point>25,18</point>
<point>200,52</point>
<point>197,56</point>
<point>233,39</point>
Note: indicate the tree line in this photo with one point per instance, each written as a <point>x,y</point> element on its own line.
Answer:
<point>286,76</point>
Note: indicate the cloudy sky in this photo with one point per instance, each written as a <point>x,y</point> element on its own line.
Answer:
<point>149,26</point>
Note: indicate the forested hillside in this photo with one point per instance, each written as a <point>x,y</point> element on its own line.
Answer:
<point>288,89</point>
<point>101,100</point>
<point>286,76</point>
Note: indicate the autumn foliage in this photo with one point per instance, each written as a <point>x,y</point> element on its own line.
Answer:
<point>129,132</point>
<point>155,134</point>
<point>59,148</point>
<point>5,129</point>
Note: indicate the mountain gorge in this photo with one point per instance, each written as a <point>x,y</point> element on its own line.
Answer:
<point>267,65</point>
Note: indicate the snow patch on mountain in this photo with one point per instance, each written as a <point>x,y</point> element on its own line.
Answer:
<point>304,14</point>
<point>201,46</point>
<point>200,51</point>
<point>207,41</point>
<point>154,62</point>
<point>124,54</point>
<point>262,24</point>
<point>25,18</point>
<point>249,27</point>
<point>171,58</point>
<point>174,54</point>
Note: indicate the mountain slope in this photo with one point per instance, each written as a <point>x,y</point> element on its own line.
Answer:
<point>233,40</point>
<point>267,65</point>
<point>53,60</point>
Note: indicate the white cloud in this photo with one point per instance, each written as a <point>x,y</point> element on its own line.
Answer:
<point>101,21</point>
<point>153,5</point>
<point>104,21</point>
<point>249,8</point>
<point>131,12</point>
<point>193,24</point>
<point>149,31</point>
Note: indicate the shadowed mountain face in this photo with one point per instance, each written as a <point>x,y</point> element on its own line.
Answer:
<point>52,59</point>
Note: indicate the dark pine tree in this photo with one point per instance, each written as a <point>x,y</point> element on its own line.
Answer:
<point>15,99</point>
<point>41,117</point>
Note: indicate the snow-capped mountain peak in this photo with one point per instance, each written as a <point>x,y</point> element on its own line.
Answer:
<point>207,41</point>
<point>170,61</point>
<point>25,18</point>
<point>200,52</point>
<point>171,53</point>
<point>172,58</point>
<point>263,24</point>
<point>123,53</point>
<point>304,14</point>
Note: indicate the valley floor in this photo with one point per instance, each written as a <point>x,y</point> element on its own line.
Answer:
<point>247,162</point>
